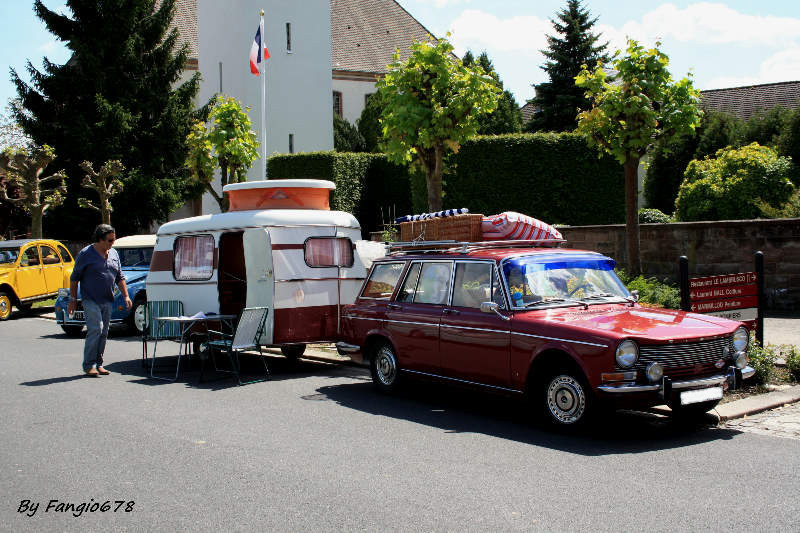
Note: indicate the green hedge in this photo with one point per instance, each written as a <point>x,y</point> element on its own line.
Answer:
<point>367,185</point>
<point>554,177</point>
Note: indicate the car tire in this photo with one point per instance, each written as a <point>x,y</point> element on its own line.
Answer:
<point>692,411</point>
<point>293,351</point>
<point>25,308</point>
<point>136,318</point>
<point>72,331</point>
<point>384,368</point>
<point>5,305</point>
<point>566,399</point>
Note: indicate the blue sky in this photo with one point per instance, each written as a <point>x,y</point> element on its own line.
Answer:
<point>724,43</point>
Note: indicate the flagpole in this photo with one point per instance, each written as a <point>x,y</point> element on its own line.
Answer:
<point>263,100</point>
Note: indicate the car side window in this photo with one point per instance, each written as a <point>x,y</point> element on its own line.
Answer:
<point>65,255</point>
<point>410,285</point>
<point>49,256</point>
<point>30,257</point>
<point>434,283</point>
<point>382,281</point>
<point>473,284</point>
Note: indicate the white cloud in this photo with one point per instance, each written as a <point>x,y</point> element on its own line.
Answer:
<point>781,66</point>
<point>478,30</point>
<point>444,3</point>
<point>49,47</point>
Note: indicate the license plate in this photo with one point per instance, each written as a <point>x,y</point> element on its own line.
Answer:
<point>701,395</point>
<point>77,315</point>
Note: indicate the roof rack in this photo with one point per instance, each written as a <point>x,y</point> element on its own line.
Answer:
<point>465,246</point>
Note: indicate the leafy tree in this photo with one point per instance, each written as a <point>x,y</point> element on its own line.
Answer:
<point>23,168</point>
<point>735,184</point>
<point>789,143</point>
<point>106,183</point>
<point>346,137</point>
<point>507,118</point>
<point>118,97</point>
<point>637,106</point>
<point>228,144</point>
<point>11,133</point>
<point>369,125</point>
<point>559,101</point>
<point>765,127</point>
<point>432,104</point>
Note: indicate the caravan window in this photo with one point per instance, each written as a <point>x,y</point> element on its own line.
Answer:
<point>193,258</point>
<point>328,252</point>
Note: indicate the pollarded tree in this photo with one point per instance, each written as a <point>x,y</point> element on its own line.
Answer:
<point>633,108</point>
<point>105,183</point>
<point>559,101</point>
<point>229,144</point>
<point>23,168</point>
<point>432,104</point>
<point>118,97</point>
<point>507,118</point>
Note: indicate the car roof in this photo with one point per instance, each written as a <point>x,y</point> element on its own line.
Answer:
<point>494,254</point>
<point>22,242</point>
<point>136,241</point>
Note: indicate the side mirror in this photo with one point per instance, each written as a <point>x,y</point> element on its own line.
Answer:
<point>635,295</point>
<point>492,307</point>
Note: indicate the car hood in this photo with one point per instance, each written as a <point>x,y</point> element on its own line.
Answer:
<point>639,323</point>
<point>132,276</point>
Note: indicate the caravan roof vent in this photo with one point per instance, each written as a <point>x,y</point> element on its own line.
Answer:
<point>279,194</point>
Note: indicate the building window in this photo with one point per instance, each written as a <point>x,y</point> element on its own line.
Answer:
<point>291,143</point>
<point>193,257</point>
<point>289,37</point>
<point>337,103</point>
<point>328,252</point>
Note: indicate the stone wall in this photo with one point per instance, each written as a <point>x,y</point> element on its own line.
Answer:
<point>712,248</point>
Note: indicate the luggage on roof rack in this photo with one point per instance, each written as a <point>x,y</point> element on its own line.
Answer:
<point>466,246</point>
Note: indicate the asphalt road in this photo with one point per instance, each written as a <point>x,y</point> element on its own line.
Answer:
<point>316,449</point>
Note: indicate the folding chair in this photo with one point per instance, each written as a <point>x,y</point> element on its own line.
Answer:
<point>246,337</point>
<point>155,330</point>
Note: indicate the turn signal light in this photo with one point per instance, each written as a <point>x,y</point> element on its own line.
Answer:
<point>618,376</point>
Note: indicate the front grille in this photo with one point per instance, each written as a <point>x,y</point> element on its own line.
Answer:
<point>686,359</point>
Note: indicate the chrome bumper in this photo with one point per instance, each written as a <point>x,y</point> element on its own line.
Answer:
<point>730,377</point>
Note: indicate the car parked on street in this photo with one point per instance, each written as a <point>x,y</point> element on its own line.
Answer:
<point>135,253</point>
<point>554,324</point>
<point>31,270</point>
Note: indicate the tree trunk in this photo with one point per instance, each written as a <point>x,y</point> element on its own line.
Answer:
<point>433,175</point>
<point>105,214</point>
<point>632,216</point>
<point>36,222</point>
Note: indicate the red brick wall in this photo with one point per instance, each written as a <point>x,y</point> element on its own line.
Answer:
<point>712,248</point>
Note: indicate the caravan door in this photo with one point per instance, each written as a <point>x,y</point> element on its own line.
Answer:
<point>260,275</point>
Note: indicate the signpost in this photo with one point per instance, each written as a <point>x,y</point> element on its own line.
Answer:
<point>734,296</point>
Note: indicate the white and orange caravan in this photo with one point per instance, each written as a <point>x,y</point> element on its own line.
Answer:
<point>281,247</point>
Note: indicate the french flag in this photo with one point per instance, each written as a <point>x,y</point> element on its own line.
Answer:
<point>255,53</point>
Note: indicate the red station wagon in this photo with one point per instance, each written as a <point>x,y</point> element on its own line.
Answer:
<point>552,323</point>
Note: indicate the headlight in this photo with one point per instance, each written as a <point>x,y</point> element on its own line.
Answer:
<point>627,354</point>
<point>655,372</point>
<point>740,338</point>
<point>741,360</point>
<point>63,293</point>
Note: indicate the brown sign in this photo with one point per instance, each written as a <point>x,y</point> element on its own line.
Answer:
<point>723,291</point>
<point>708,306</point>
<point>743,278</point>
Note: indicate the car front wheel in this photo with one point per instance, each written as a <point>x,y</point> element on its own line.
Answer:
<point>566,399</point>
<point>384,369</point>
<point>5,306</point>
<point>293,351</point>
<point>137,320</point>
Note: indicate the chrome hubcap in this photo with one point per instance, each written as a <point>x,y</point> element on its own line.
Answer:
<point>386,366</point>
<point>139,317</point>
<point>566,399</point>
<point>5,306</point>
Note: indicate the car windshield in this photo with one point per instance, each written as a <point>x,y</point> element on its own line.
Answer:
<point>544,281</point>
<point>8,255</point>
<point>135,257</point>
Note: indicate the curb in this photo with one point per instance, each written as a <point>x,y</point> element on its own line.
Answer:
<point>757,404</point>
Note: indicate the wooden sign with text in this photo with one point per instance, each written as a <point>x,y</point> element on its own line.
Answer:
<point>733,296</point>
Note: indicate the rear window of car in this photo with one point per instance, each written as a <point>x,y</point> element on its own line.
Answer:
<point>382,281</point>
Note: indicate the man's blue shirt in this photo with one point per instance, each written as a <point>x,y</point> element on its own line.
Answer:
<point>97,275</point>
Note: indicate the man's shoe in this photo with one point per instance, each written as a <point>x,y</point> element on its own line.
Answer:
<point>102,371</point>
<point>93,373</point>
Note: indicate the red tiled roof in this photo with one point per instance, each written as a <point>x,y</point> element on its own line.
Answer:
<point>186,21</point>
<point>365,34</point>
<point>746,101</point>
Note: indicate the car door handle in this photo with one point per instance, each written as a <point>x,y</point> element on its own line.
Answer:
<point>394,306</point>
<point>451,312</point>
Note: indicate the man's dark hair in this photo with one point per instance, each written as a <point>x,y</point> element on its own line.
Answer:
<point>101,231</point>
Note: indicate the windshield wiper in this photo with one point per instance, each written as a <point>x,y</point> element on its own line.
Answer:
<point>552,300</point>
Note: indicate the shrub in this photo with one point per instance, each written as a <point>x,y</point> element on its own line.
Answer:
<point>555,177</point>
<point>731,185</point>
<point>346,137</point>
<point>652,291</point>
<point>792,356</point>
<point>762,359</point>
<point>653,216</point>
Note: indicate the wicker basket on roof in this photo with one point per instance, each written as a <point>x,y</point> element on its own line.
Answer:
<point>457,228</point>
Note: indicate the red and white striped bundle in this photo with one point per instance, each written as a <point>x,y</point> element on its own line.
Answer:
<point>516,226</point>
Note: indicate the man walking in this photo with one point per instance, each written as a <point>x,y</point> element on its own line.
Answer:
<point>97,269</point>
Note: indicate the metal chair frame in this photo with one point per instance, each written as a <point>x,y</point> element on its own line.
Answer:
<point>246,336</point>
<point>154,330</point>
